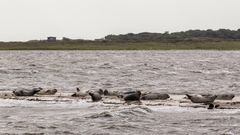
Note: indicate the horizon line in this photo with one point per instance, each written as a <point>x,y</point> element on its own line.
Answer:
<point>87,39</point>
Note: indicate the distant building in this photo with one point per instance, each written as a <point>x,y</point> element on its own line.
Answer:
<point>51,39</point>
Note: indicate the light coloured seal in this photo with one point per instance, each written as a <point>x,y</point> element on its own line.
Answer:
<point>79,93</point>
<point>202,99</point>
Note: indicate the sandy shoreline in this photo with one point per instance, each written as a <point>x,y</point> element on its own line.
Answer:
<point>174,100</point>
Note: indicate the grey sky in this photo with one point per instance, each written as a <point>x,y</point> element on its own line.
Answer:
<point>90,19</point>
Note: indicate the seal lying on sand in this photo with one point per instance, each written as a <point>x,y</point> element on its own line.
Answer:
<point>47,92</point>
<point>201,99</point>
<point>155,96</point>
<point>221,96</point>
<point>79,93</point>
<point>122,94</point>
<point>132,96</point>
<point>96,96</point>
<point>26,92</point>
<point>225,96</point>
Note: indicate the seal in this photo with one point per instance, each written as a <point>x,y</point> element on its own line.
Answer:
<point>26,92</point>
<point>155,96</point>
<point>47,92</point>
<point>221,96</point>
<point>202,99</point>
<point>122,94</point>
<point>78,93</point>
<point>225,96</point>
<point>132,96</point>
<point>95,96</point>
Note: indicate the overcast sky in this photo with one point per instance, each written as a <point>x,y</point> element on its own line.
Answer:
<point>90,19</point>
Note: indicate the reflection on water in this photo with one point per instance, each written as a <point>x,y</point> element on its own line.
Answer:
<point>156,71</point>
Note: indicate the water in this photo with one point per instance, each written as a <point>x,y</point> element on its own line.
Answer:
<point>174,72</point>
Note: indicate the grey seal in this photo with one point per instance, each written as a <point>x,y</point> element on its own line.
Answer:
<point>78,93</point>
<point>95,96</point>
<point>225,96</point>
<point>132,96</point>
<point>155,96</point>
<point>221,96</point>
<point>202,99</point>
<point>26,92</point>
<point>122,94</point>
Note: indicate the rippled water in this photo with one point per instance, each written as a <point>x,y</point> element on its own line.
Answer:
<point>158,71</point>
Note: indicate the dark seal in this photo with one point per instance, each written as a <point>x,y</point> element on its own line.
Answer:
<point>132,96</point>
<point>95,96</point>
<point>155,96</point>
<point>221,96</point>
<point>26,92</point>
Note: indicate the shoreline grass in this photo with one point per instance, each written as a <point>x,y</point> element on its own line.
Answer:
<point>97,45</point>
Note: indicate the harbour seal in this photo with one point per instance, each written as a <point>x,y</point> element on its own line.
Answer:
<point>47,92</point>
<point>78,93</point>
<point>155,96</point>
<point>95,96</point>
<point>201,99</point>
<point>132,96</point>
<point>225,96</point>
<point>221,96</point>
<point>26,92</point>
<point>122,94</point>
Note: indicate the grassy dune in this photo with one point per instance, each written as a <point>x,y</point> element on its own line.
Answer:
<point>94,45</point>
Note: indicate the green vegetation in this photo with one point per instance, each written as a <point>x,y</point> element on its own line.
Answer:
<point>199,35</point>
<point>222,39</point>
<point>99,45</point>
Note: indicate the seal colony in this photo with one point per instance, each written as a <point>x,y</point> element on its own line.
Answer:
<point>219,101</point>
